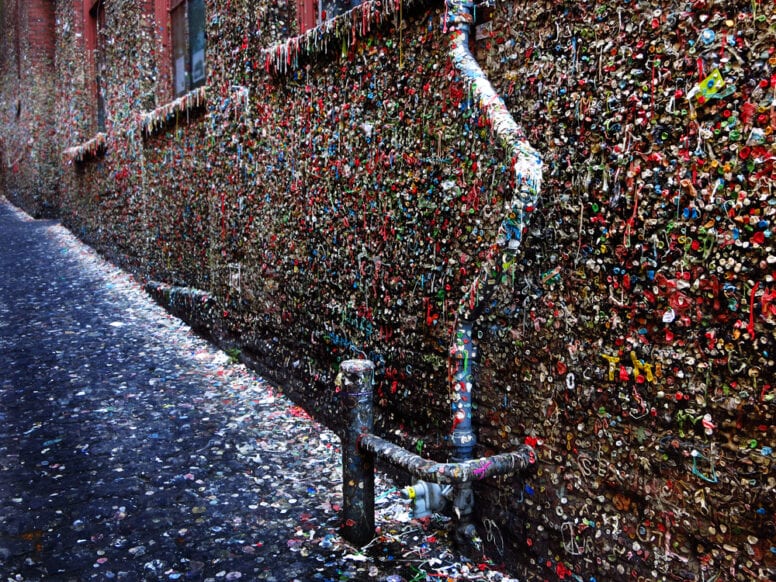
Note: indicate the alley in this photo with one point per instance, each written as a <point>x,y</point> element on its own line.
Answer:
<point>131,449</point>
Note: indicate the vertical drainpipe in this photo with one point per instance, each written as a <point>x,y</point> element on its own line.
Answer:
<point>358,480</point>
<point>527,165</point>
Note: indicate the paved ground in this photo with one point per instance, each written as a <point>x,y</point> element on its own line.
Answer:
<point>130,449</point>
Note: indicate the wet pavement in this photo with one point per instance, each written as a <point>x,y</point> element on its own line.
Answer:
<point>132,449</point>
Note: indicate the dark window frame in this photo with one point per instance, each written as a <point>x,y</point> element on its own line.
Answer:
<point>97,25</point>
<point>188,44</point>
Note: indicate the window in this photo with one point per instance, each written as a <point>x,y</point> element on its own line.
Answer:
<point>333,8</point>
<point>95,45</point>
<point>187,20</point>
<point>310,13</point>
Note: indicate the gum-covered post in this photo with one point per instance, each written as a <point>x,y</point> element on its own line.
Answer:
<point>358,480</point>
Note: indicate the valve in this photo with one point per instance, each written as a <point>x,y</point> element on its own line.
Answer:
<point>427,498</point>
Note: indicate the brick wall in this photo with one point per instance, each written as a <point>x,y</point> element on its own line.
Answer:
<point>31,164</point>
<point>40,32</point>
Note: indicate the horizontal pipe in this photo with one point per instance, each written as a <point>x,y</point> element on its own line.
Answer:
<point>453,473</point>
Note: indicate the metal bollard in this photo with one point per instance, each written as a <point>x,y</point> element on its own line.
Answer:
<point>358,479</point>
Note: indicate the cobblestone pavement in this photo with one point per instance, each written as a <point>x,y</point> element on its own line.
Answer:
<point>131,449</point>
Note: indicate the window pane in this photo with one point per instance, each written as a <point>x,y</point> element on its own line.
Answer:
<point>333,8</point>
<point>98,13</point>
<point>197,41</point>
<point>180,55</point>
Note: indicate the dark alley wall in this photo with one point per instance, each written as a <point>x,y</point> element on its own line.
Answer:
<point>29,168</point>
<point>337,196</point>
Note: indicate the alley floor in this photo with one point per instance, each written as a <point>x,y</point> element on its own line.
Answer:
<point>132,449</point>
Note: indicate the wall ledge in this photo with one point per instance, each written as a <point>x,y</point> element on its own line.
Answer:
<point>91,148</point>
<point>357,22</point>
<point>155,121</point>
